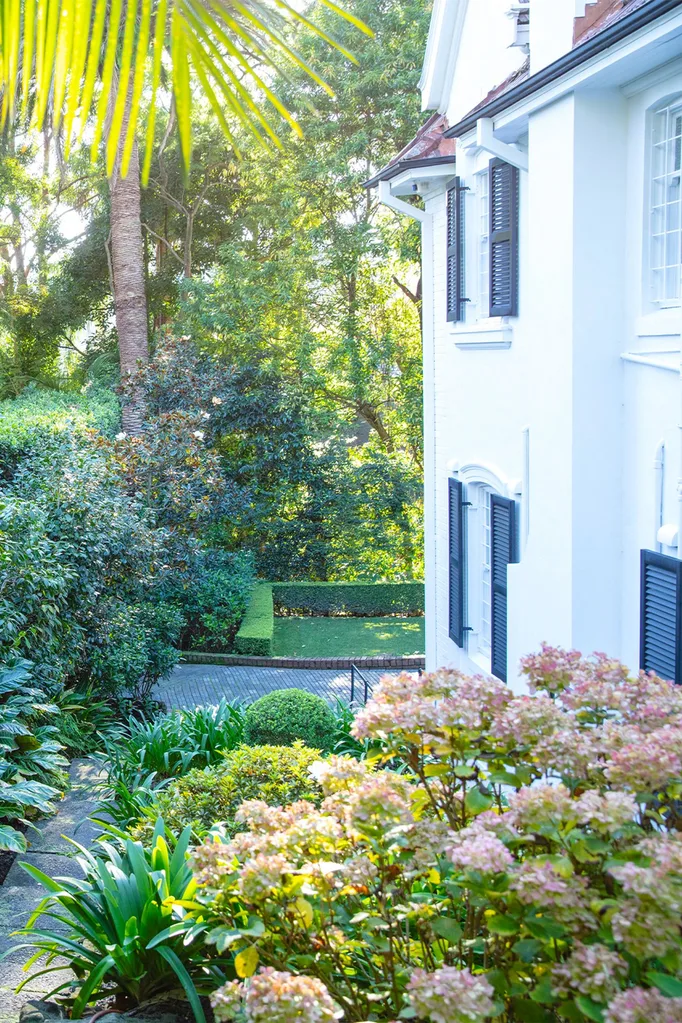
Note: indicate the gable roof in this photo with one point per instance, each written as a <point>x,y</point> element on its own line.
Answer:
<point>428,148</point>
<point>615,20</point>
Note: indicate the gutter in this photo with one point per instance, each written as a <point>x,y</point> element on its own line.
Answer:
<point>394,169</point>
<point>574,58</point>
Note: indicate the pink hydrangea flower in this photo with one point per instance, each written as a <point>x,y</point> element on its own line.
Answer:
<point>533,806</point>
<point>648,764</point>
<point>449,995</point>
<point>552,670</point>
<point>480,850</point>
<point>273,996</point>
<point>641,1005</point>
<point>592,970</point>
<point>607,812</point>
<point>529,718</point>
<point>539,884</point>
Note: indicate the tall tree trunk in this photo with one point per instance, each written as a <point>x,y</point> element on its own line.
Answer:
<point>127,258</point>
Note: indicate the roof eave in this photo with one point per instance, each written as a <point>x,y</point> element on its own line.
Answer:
<point>394,170</point>
<point>568,62</point>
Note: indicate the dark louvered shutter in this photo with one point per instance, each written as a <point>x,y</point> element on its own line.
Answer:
<point>503,552</point>
<point>457,566</point>
<point>504,239</point>
<point>661,616</point>
<point>455,256</point>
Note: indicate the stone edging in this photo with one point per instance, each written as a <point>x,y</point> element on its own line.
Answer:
<point>411,663</point>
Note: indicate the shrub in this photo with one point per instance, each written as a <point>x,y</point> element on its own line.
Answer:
<point>527,868</point>
<point>131,647</point>
<point>117,917</point>
<point>255,635</point>
<point>364,600</point>
<point>213,599</point>
<point>275,774</point>
<point>68,536</point>
<point>281,717</point>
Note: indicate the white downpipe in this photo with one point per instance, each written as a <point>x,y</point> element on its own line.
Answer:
<point>428,362</point>
<point>659,484</point>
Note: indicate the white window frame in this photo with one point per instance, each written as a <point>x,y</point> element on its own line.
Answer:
<point>479,572</point>
<point>664,225</point>
<point>482,191</point>
<point>479,479</point>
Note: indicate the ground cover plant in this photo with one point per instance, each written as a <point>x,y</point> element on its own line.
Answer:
<point>527,866</point>
<point>347,637</point>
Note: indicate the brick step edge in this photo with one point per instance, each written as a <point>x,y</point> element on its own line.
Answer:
<point>411,663</point>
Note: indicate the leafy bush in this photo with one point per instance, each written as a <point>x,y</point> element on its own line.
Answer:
<point>127,932</point>
<point>527,868</point>
<point>275,774</point>
<point>366,600</point>
<point>255,635</point>
<point>131,647</point>
<point>69,534</point>
<point>31,764</point>
<point>213,599</point>
<point>284,715</point>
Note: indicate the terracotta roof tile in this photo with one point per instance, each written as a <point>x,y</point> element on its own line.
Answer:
<point>600,15</point>
<point>428,144</point>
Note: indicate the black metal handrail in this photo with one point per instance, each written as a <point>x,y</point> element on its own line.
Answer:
<point>367,683</point>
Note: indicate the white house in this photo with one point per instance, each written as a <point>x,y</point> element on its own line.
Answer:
<point>552,317</point>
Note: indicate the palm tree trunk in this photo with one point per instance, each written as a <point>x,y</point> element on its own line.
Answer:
<point>127,258</point>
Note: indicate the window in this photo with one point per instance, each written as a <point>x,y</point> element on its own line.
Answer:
<point>489,249</point>
<point>482,546</point>
<point>665,258</point>
<point>483,200</point>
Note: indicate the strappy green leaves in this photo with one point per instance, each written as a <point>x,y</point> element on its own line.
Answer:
<point>102,63</point>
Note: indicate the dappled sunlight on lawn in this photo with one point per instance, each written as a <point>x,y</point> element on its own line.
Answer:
<point>348,637</point>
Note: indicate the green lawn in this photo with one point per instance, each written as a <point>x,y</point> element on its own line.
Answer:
<point>347,637</point>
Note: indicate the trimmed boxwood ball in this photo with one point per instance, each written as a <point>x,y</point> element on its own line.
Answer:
<point>285,715</point>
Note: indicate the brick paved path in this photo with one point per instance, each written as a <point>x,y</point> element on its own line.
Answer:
<point>191,685</point>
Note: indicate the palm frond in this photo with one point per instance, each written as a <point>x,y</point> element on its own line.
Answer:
<point>101,62</point>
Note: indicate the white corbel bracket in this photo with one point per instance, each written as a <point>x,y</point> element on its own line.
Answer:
<point>485,139</point>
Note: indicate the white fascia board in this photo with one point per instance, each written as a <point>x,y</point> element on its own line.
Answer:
<point>424,178</point>
<point>442,48</point>
<point>604,66</point>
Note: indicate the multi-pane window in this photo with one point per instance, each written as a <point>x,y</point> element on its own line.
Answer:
<point>479,573</point>
<point>484,636</point>
<point>665,258</point>
<point>483,200</point>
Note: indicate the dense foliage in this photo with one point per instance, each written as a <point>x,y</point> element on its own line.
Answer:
<point>285,715</point>
<point>102,573</point>
<point>31,761</point>
<point>276,774</point>
<point>527,867</point>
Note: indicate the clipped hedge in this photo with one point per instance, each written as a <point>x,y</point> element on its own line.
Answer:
<point>255,635</point>
<point>362,600</point>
